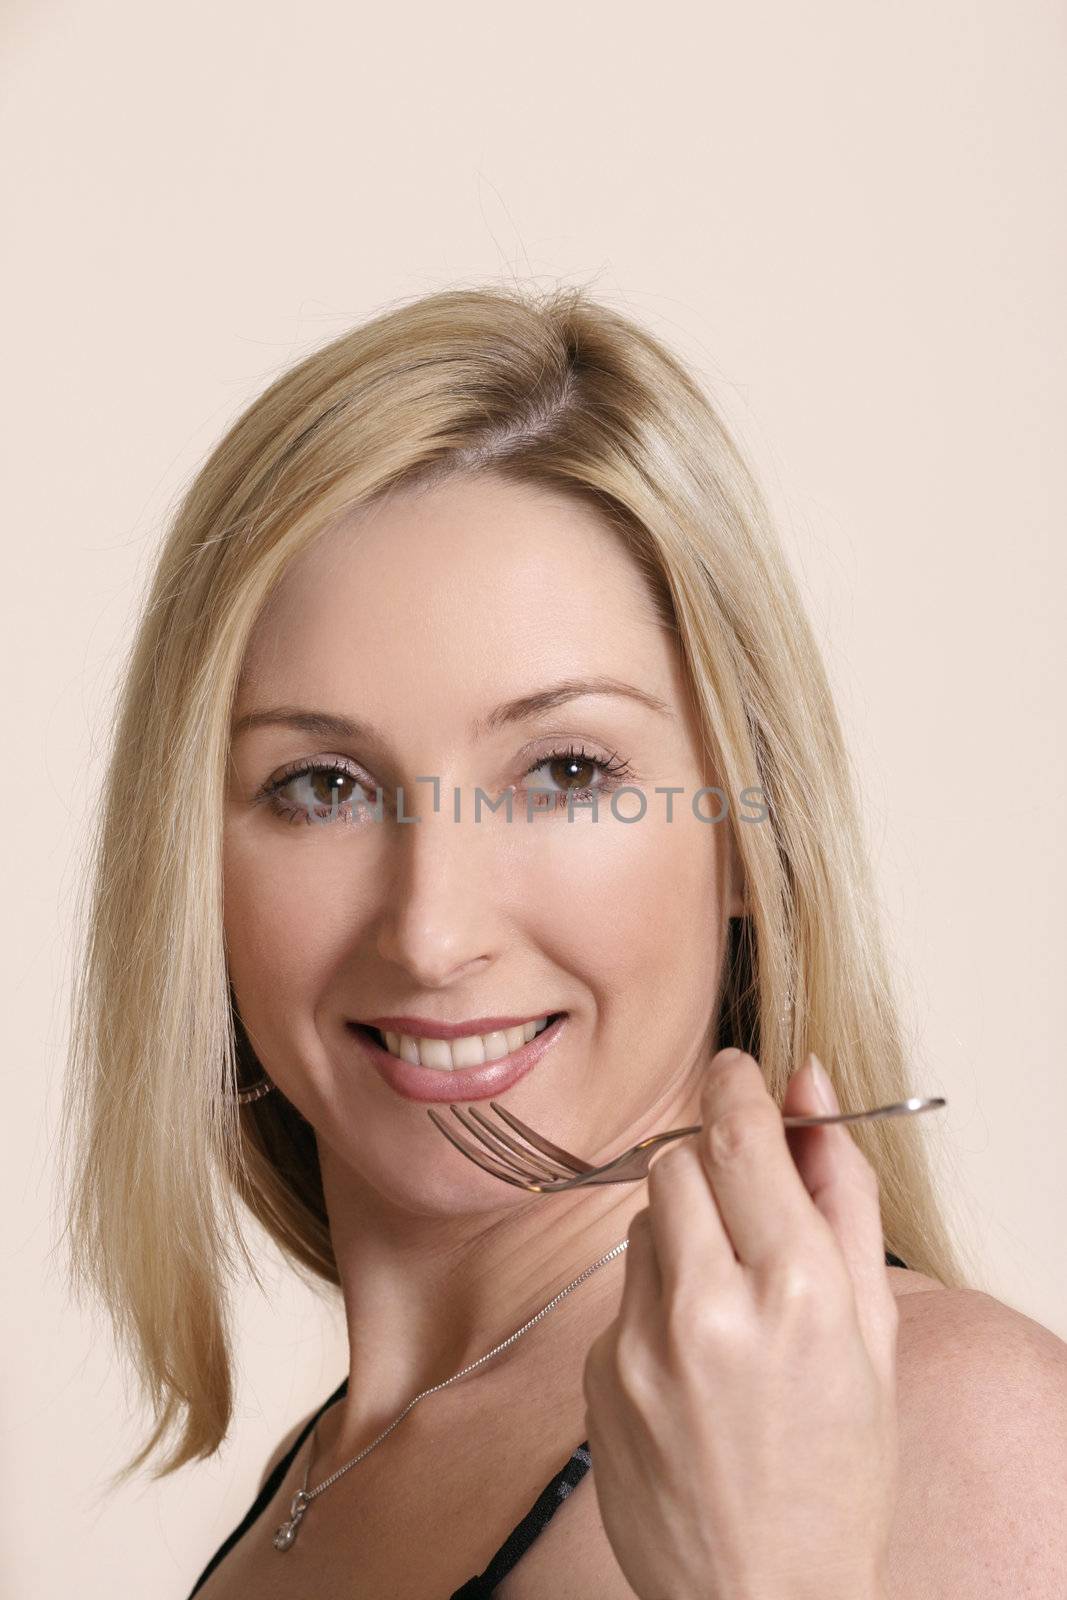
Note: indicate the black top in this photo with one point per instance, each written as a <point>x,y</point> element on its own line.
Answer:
<point>517,1542</point>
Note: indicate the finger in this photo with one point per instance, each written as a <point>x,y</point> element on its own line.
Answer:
<point>690,1240</point>
<point>642,1288</point>
<point>818,1152</point>
<point>844,1188</point>
<point>765,1208</point>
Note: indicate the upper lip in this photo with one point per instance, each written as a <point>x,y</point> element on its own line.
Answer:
<point>423,1028</point>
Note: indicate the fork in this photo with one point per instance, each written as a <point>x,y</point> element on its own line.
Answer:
<point>545,1168</point>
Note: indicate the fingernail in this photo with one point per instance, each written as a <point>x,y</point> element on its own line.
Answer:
<point>731,1054</point>
<point>824,1089</point>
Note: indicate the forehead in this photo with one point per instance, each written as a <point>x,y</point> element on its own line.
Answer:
<point>479,583</point>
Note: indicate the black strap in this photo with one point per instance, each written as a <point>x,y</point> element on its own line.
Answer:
<point>533,1523</point>
<point>515,1545</point>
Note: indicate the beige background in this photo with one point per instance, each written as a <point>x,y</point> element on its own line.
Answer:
<point>847,216</point>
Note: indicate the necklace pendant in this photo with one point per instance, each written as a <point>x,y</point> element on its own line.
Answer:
<point>286,1534</point>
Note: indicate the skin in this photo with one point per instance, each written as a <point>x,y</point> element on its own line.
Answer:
<point>517,588</point>
<point>511,587</point>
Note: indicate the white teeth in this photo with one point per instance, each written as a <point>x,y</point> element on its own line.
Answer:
<point>435,1053</point>
<point>490,1047</point>
<point>464,1053</point>
<point>473,1051</point>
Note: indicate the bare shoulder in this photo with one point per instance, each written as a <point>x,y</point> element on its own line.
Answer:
<point>966,1336</point>
<point>982,1397</point>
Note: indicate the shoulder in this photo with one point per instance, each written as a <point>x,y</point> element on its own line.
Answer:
<point>982,1403</point>
<point>960,1342</point>
<point>982,1399</point>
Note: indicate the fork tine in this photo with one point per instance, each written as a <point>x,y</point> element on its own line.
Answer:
<point>494,1143</point>
<point>477,1156</point>
<point>573,1163</point>
<point>542,1167</point>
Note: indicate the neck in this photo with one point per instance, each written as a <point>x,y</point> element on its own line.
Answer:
<point>427,1296</point>
<point>429,1291</point>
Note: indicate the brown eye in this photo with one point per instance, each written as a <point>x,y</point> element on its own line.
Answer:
<point>330,786</point>
<point>319,791</point>
<point>573,772</point>
<point>572,777</point>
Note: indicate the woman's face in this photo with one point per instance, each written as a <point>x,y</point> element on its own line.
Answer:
<point>416,623</point>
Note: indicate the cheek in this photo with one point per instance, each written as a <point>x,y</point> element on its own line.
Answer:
<point>288,917</point>
<point>633,908</point>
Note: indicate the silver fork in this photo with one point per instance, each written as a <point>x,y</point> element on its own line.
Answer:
<point>544,1167</point>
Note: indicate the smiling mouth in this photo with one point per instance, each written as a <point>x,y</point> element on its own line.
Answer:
<point>455,1055</point>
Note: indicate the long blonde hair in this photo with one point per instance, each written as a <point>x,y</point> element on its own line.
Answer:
<point>552,388</point>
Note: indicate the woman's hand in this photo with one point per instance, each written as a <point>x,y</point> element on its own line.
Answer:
<point>741,1408</point>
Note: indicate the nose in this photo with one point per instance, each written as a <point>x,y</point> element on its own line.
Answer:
<point>436,920</point>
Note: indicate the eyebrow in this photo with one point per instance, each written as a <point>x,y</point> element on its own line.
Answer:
<point>325,724</point>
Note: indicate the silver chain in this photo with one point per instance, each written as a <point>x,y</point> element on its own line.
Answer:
<point>286,1534</point>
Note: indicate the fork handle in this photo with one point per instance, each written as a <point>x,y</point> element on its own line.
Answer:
<point>900,1109</point>
<point>788,1122</point>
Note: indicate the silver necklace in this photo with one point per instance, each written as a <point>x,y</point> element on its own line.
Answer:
<point>286,1534</point>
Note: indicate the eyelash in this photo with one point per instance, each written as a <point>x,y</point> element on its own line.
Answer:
<point>613,771</point>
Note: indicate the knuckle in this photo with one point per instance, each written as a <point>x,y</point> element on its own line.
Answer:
<point>793,1282</point>
<point>693,1319</point>
<point>736,1130</point>
<point>705,1324</point>
<point>632,1368</point>
<point>803,1288</point>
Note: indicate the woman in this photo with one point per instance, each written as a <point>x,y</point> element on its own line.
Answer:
<point>501,543</point>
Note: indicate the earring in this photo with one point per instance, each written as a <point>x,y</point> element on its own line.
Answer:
<point>255,1091</point>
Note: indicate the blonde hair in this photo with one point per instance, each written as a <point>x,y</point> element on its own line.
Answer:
<point>551,388</point>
